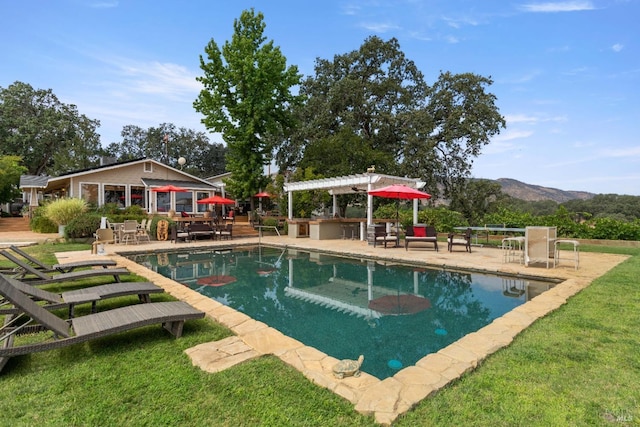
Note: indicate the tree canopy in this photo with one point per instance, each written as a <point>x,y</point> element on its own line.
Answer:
<point>372,106</point>
<point>10,171</point>
<point>247,97</point>
<point>167,143</point>
<point>51,137</point>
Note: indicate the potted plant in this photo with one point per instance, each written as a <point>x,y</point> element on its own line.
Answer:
<point>62,211</point>
<point>25,212</point>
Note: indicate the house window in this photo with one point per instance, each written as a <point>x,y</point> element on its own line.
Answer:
<point>184,202</point>
<point>148,167</point>
<point>137,196</point>
<point>114,194</point>
<point>163,201</point>
<point>89,192</point>
<point>202,206</point>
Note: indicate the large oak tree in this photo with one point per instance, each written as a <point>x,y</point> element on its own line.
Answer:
<point>372,106</point>
<point>51,137</point>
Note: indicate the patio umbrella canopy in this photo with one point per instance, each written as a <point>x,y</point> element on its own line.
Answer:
<point>400,304</point>
<point>399,191</point>
<point>214,200</point>
<point>262,194</point>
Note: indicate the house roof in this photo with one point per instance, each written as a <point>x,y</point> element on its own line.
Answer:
<point>352,183</point>
<point>86,171</point>
<point>33,181</point>
<point>185,184</point>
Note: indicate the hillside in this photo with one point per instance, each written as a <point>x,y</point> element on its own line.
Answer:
<point>533,193</point>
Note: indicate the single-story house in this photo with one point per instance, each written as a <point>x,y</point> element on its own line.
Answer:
<point>126,183</point>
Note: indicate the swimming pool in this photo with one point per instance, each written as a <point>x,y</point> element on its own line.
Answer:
<point>392,314</point>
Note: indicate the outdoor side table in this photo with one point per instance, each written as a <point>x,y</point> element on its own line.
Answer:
<point>576,251</point>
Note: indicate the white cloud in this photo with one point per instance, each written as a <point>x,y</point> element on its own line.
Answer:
<point>567,6</point>
<point>532,119</point>
<point>509,135</point>
<point>617,47</point>
<point>621,152</point>
<point>379,27</point>
<point>452,39</point>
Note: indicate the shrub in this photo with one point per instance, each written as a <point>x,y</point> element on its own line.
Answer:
<point>62,211</point>
<point>442,219</point>
<point>42,224</point>
<point>271,222</point>
<point>135,210</point>
<point>82,226</point>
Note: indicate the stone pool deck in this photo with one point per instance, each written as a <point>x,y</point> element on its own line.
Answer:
<point>384,399</point>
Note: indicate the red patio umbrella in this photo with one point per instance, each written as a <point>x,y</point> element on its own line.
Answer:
<point>214,200</point>
<point>262,194</point>
<point>399,304</point>
<point>216,280</point>
<point>169,189</point>
<point>399,191</point>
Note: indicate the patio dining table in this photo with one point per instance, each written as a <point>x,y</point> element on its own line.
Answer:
<point>487,229</point>
<point>117,228</point>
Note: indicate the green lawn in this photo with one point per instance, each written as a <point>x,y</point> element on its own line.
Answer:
<point>578,366</point>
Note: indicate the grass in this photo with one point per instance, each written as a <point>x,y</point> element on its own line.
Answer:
<point>578,366</point>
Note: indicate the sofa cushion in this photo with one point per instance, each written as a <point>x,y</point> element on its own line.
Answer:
<point>419,231</point>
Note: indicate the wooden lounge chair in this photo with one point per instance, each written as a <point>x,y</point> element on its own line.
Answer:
<point>225,232</point>
<point>176,234</point>
<point>460,239</point>
<point>44,278</point>
<point>421,233</point>
<point>91,294</point>
<point>382,237</point>
<point>200,230</point>
<point>62,268</point>
<point>171,315</point>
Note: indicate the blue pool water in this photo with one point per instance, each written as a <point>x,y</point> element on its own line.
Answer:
<point>392,314</point>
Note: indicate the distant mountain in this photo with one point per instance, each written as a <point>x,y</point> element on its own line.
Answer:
<point>533,193</point>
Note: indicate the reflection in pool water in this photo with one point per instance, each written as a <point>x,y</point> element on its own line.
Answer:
<point>392,314</point>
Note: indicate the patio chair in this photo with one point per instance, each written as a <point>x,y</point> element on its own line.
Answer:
<point>62,268</point>
<point>225,232</point>
<point>171,315</point>
<point>44,278</point>
<point>143,233</point>
<point>176,234</point>
<point>130,231</point>
<point>381,236</point>
<point>91,294</point>
<point>460,239</point>
<point>421,233</point>
<point>103,236</point>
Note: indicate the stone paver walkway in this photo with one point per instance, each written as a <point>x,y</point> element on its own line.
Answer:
<point>391,397</point>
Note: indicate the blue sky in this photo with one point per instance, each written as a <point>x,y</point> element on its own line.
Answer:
<point>566,73</point>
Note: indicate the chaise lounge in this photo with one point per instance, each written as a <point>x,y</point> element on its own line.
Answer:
<point>91,294</point>
<point>43,278</point>
<point>62,268</point>
<point>171,315</point>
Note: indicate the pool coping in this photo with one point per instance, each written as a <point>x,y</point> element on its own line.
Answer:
<point>389,398</point>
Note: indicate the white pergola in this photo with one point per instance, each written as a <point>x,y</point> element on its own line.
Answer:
<point>353,184</point>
